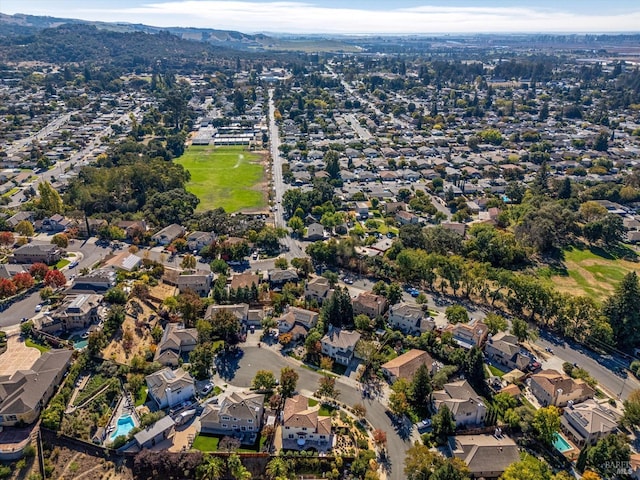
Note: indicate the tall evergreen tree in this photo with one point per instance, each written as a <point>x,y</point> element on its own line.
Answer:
<point>622,310</point>
<point>420,387</point>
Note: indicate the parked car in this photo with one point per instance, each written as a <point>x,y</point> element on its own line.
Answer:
<point>39,307</point>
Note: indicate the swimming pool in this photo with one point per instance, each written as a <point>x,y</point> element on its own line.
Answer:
<point>123,427</point>
<point>80,344</point>
<point>561,443</point>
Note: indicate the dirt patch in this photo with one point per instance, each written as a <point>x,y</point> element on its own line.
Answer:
<point>134,337</point>
<point>70,464</point>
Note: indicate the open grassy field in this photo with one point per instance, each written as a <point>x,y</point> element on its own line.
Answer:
<point>227,177</point>
<point>592,272</point>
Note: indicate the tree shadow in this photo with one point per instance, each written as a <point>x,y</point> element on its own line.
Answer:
<point>227,364</point>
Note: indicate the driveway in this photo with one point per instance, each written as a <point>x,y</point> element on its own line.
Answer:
<point>18,356</point>
<point>240,372</point>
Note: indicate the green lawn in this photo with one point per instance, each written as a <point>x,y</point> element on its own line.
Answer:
<point>63,262</point>
<point>206,443</point>
<point>141,395</point>
<point>496,372</point>
<point>30,343</point>
<point>591,272</point>
<point>326,410</point>
<point>312,402</point>
<point>227,177</point>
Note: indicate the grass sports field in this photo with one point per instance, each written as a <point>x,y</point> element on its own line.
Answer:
<point>227,177</point>
<point>592,272</point>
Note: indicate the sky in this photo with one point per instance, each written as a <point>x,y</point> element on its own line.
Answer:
<point>352,16</point>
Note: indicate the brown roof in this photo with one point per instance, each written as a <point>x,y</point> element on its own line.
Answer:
<point>552,380</point>
<point>406,365</point>
<point>244,280</point>
<point>298,414</point>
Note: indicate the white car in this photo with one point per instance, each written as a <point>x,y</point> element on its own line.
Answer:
<point>38,308</point>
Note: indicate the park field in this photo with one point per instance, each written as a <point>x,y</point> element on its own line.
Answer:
<point>227,177</point>
<point>592,272</point>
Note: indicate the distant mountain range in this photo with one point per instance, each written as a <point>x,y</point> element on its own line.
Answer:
<point>19,24</point>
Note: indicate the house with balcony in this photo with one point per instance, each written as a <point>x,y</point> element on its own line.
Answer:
<point>369,304</point>
<point>410,319</point>
<point>168,387</point>
<point>469,335</point>
<point>76,312</point>
<point>551,387</point>
<point>503,349</point>
<point>466,405</point>
<point>589,421</point>
<point>340,345</point>
<point>175,343</point>
<point>318,289</point>
<point>303,427</point>
<point>239,414</point>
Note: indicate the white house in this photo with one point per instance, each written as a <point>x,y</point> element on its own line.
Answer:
<point>170,387</point>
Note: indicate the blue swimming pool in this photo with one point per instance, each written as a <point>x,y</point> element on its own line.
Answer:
<point>123,427</point>
<point>561,443</point>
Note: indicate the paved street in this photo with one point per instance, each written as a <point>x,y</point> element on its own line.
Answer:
<point>240,373</point>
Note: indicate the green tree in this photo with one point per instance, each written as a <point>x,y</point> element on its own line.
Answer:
<point>420,388</point>
<point>60,240</point>
<point>622,310</point>
<point>606,456</point>
<point>443,424</point>
<point>520,330</point>
<point>237,470</point>
<point>50,200</point>
<point>456,314</point>
<point>631,417</point>
<point>495,323</point>
<point>337,310</point>
<point>188,262</point>
<point>332,164</point>
<point>264,380</point>
<point>296,224</point>
<point>25,228</point>
<point>288,381</point>
<point>528,468</point>
<point>473,367</point>
<point>394,293</point>
<point>212,468</point>
<point>327,387</point>
<point>398,403</point>
<point>546,422</point>
<point>279,468</point>
<point>201,360</point>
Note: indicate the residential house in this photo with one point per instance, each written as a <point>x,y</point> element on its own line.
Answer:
<point>124,261</point>
<point>240,310</point>
<point>410,319</point>
<point>132,228</point>
<point>19,217</point>
<point>318,289</point>
<point>551,387</point>
<point>295,316</point>
<point>37,252</point>
<point>8,270</point>
<point>407,218</point>
<point>77,311</point>
<point>465,404</point>
<point>315,232</point>
<point>503,349</point>
<point>199,240</point>
<point>55,223</point>
<point>198,282</point>
<point>244,280</point>
<point>459,228</point>
<point>278,278</point>
<point>303,427</point>
<point>168,234</point>
<point>406,365</point>
<point>237,413</point>
<point>589,421</point>
<point>370,304</point>
<point>362,210</point>
<point>468,335</point>
<point>170,387</point>
<point>156,433</point>
<point>26,392</point>
<point>176,341</point>
<point>340,345</point>
<point>97,281</point>
<point>487,456</point>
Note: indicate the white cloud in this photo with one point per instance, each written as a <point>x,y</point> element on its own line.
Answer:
<point>298,17</point>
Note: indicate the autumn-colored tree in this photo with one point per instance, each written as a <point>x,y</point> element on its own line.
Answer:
<point>359,410</point>
<point>326,363</point>
<point>39,270</point>
<point>285,338</point>
<point>55,279</point>
<point>380,438</point>
<point>23,280</point>
<point>7,288</point>
<point>60,240</point>
<point>590,475</point>
<point>6,239</point>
